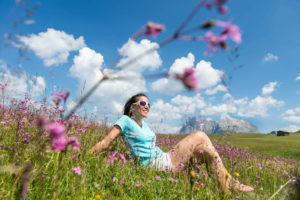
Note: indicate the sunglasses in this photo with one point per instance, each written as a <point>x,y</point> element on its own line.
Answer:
<point>142,103</point>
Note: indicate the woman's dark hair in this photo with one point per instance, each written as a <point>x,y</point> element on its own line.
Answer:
<point>130,101</point>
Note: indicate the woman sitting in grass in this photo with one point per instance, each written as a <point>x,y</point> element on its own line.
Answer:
<point>141,141</point>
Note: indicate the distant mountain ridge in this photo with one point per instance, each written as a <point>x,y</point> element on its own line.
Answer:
<point>227,124</point>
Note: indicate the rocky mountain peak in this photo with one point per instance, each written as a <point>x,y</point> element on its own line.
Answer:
<point>225,125</point>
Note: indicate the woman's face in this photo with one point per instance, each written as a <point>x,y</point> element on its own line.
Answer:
<point>138,109</point>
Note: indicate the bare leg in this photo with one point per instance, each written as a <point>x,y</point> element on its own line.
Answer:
<point>198,145</point>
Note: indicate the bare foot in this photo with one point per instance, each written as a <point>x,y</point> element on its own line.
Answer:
<point>231,183</point>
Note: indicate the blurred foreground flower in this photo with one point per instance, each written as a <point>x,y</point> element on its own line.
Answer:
<point>230,29</point>
<point>219,4</point>
<point>214,41</point>
<point>59,138</point>
<point>153,29</point>
<point>188,78</point>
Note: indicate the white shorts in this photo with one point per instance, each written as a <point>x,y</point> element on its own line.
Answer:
<point>163,163</point>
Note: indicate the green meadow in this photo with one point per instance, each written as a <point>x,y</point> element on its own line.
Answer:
<point>268,144</point>
<point>31,167</point>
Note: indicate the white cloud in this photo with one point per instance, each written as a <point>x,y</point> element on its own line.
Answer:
<point>19,84</point>
<point>188,105</point>
<point>87,67</point>
<point>163,111</point>
<point>292,115</point>
<point>269,88</point>
<point>38,86</point>
<point>270,57</point>
<point>167,86</point>
<point>227,96</point>
<point>218,88</point>
<point>259,106</point>
<point>110,96</point>
<point>52,46</point>
<point>219,109</point>
<point>298,78</point>
<point>291,128</point>
<point>132,49</point>
<point>207,75</point>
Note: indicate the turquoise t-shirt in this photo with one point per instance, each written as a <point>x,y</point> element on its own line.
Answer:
<point>141,140</point>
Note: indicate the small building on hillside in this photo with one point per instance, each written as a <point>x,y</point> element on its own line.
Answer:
<point>282,133</point>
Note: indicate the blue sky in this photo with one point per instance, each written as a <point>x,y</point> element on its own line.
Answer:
<point>76,41</point>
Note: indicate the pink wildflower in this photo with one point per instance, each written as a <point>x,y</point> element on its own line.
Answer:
<point>58,136</point>
<point>172,180</point>
<point>158,178</point>
<point>200,151</point>
<point>153,29</point>
<point>59,143</point>
<point>114,179</point>
<point>202,184</point>
<point>77,170</point>
<point>57,129</point>
<point>112,157</point>
<point>122,182</point>
<point>41,121</point>
<point>74,142</point>
<point>123,158</point>
<point>3,107</point>
<point>180,166</point>
<point>138,186</point>
<point>188,78</point>
<point>58,96</point>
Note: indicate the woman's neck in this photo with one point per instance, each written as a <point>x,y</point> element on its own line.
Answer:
<point>137,119</point>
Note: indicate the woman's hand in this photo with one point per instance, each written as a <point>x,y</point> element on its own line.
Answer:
<point>104,144</point>
<point>96,148</point>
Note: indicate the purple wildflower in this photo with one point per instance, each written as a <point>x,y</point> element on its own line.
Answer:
<point>138,186</point>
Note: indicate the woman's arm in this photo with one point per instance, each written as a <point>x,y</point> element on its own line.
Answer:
<point>104,144</point>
